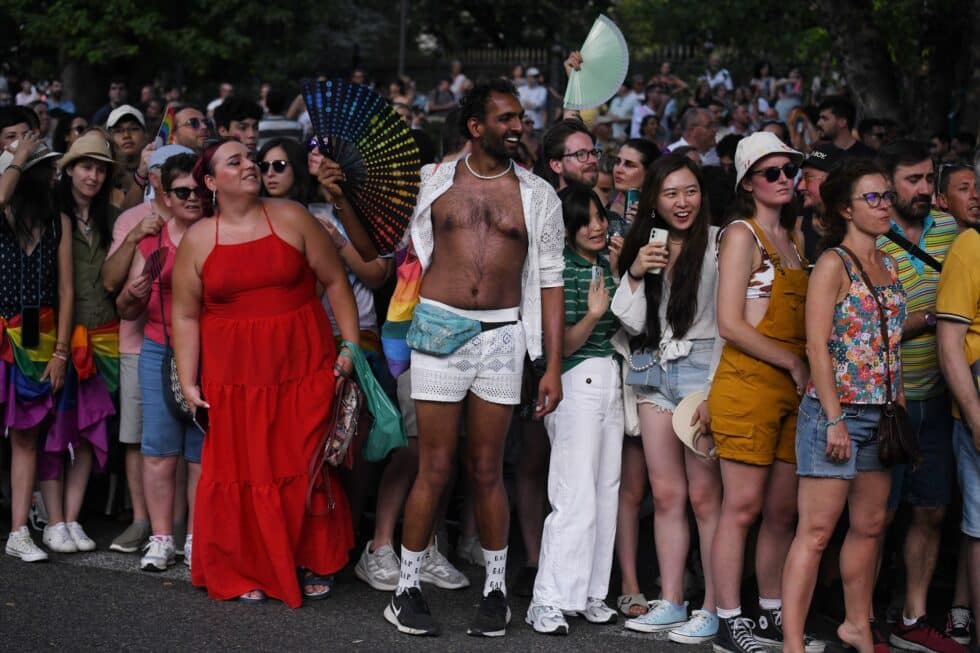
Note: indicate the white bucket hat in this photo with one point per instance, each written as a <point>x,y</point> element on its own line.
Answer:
<point>759,145</point>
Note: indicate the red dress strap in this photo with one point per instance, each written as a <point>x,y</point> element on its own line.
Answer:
<point>267,220</point>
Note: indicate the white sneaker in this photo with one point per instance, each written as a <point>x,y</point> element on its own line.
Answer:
<point>159,554</point>
<point>436,569</point>
<point>597,612</point>
<point>380,569</point>
<point>82,541</point>
<point>188,545</point>
<point>469,550</point>
<point>546,619</point>
<point>58,539</point>
<point>20,545</point>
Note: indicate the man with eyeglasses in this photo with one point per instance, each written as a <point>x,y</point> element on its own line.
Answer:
<point>570,154</point>
<point>190,128</point>
<point>872,133</point>
<point>144,219</point>
<point>814,168</point>
<point>117,98</point>
<point>918,234</point>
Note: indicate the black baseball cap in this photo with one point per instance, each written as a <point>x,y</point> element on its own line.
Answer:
<point>823,157</point>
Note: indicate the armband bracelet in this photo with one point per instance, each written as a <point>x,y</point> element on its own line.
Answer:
<point>14,166</point>
<point>837,420</point>
<point>629,271</point>
<point>140,180</point>
<point>60,356</point>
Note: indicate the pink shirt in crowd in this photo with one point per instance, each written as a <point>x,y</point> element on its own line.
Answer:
<point>130,331</point>
<point>155,316</point>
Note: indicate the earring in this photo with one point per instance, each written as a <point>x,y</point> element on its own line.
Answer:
<point>214,197</point>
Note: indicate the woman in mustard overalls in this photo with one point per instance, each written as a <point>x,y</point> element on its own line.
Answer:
<point>756,390</point>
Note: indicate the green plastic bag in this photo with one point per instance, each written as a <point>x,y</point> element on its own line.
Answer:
<point>387,432</point>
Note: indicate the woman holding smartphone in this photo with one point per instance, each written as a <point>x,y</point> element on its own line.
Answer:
<point>762,282</point>
<point>666,300</point>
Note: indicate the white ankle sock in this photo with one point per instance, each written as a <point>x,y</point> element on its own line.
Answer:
<point>729,614</point>
<point>496,562</point>
<point>770,604</point>
<point>908,623</point>
<point>410,568</point>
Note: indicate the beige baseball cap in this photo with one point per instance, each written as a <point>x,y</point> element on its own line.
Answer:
<point>687,433</point>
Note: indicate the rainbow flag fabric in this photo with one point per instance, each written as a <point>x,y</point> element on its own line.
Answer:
<point>400,310</point>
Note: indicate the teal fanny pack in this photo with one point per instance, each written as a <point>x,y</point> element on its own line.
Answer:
<point>439,332</point>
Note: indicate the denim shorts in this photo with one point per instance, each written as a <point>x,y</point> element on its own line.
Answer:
<point>968,470</point>
<point>931,483</point>
<point>811,441</point>
<point>163,434</point>
<point>682,377</point>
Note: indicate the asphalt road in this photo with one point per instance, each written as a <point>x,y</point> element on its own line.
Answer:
<point>83,602</point>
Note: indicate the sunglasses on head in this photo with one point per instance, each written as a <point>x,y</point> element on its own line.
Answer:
<point>279,166</point>
<point>183,192</point>
<point>772,172</point>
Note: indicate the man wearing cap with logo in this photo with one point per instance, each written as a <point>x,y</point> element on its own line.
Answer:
<point>814,171</point>
<point>534,98</point>
<point>131,227</point>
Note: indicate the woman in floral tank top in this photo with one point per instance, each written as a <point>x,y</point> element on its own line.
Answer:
<point>852,366</point>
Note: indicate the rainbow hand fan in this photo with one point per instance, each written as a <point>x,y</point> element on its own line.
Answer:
<point>605,62</point>
<point>359,130</point>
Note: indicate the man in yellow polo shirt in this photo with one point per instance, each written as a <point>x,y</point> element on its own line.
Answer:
<point>958,331</point>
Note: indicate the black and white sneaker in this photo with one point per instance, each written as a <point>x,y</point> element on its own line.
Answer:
<point>769,631</point>
<point>735,636</point>
<point>492,616</point>
<point>409,613</point>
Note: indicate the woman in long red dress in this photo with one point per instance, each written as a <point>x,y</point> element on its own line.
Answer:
<point>245,308</point>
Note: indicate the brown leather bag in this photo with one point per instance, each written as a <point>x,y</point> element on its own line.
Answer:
<point>898,443</point>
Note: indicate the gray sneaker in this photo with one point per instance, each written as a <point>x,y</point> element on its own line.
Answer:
<point>132,539</point>
<point>436,569</point>
<point>380,569</point>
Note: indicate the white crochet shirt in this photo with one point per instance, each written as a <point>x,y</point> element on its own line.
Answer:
<point>544,264</point>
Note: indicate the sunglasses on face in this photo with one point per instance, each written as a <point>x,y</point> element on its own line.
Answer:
<point>79,129</point>
<point>194,123</point>
<point>772,172</point>
<point>583,155</point>
<point>183,192</point>
<point>874,199</point>
<point>314,144</point>
<point>279,166</point>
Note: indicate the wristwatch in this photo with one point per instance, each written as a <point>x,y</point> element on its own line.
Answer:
<point>930,319</point>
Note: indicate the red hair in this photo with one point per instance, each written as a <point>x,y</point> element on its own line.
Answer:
<point>203,168</point>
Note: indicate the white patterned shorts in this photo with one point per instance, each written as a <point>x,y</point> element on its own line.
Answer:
<point>490,365</point>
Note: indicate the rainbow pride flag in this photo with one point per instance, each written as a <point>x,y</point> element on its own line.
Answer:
<point>406,296</point>
<point>165,135</point>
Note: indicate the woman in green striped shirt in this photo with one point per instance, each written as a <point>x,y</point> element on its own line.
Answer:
<point>586,433</point>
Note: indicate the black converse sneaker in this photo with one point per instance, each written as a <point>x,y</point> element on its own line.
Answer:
<point>492,616</point>
<point>769,631</point>
<point>735,636</point>
<point>409,612</point>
